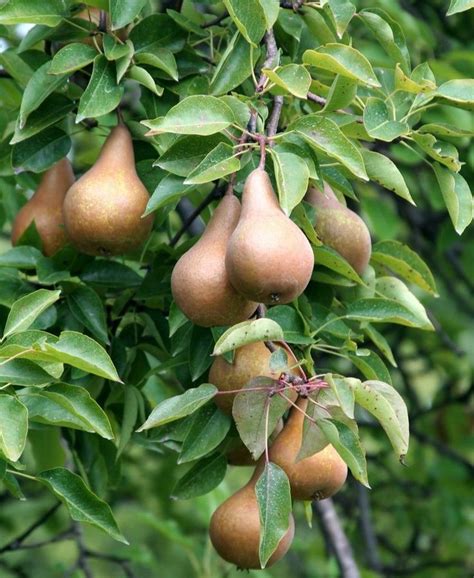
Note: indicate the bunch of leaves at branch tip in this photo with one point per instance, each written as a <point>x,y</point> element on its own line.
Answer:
<point>235,528</point>
<point>199,282</point>
<point>250,361</point>
<point>45,209</point>
<point>239,455</point>
<point>316,477</point>
<point>340,228</point>
<point>269,259</point>
<point>103,209</point>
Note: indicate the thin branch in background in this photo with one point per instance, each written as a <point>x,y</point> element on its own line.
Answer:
<point>82,562</point>
<point>122,562</point>
<point>336,538</point>
<point>17,542</point>
<point>367,530</point>
<point>216,193</point>
<point>443,449</point>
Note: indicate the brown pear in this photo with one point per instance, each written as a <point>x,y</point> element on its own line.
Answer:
<point>268,259</point>
<point>235,529</point>
<point>45,208</point>
<point>103,209</point>
<point>250,361</point>
<point>199,282</point>
<point>313,478</point>
<point>238,453</point>
<point>340,228</point>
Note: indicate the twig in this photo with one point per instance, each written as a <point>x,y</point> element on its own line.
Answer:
<point>337,538</point>
<point>272,125</point>
<point>17,542</point>
<point>367,528</point>
<point>216,193</point>
<point>442,449</point>
<point>293,4</point>
<point>82,562</point>
<point>315,98</point>
<point>272,51</point>
<point>122,562</point>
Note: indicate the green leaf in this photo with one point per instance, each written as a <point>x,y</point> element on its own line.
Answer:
<point>47,12</point>
<point>220,162</point>
<point>384,171</point>
<point>441,151</point>
<point>250,411</point>
<point>157,31</point>
<point>382,311</point>
<point>169,190</point>
<point>388,407</point>
<point>324,135</point>
<point>202,115</point>
<point>457,6</point>
<point>27,309</point>
<point>234,66</point>
<point>129,417</point>
<point>51,111</point>
<point>122,12</point>
<point>23,372</point>
<point>200,353</point>
<point>348,446</point>
<point>274,504</point>
<point>208,429</point>
<point>344,60</point>
<point>444,129</point>
<point>72,57</point>
<point>394,288</point>
<point>457,196</point>
<point>247,332</point>
<point>293,78</point>
<point>405,263</point>
<point>292,177</point>
<point>187,152</point>
<point>13,427</point>
<point>458,92</point>
<point>342,388</point>
<point>342,12</point>
<point>249,17</point>
<point>20,258</point>
<point>407,84</point>
<point>82,504</point>
<point>389,34</point>
<point>39,87</point>
<point>381,343</point>
<point>84,353</point>
<point>341,94</point>
<point>87,308</point>
<point>379,123</point>
<point>161,58</point>
<point>106,273</point>
<point>203,477</point>
<point>142,76</point>
<point>370,365</point>
<point>115,50</point>
<point>68,406</point>
<point>331,259</point>
<point>102,94</point>
<point>42,150</point>
<point>179,406</point>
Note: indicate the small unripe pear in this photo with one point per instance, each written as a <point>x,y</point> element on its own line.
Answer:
<point>269,259</point>
<point>340,228</point>
<point>103,209</point>
<point>45,208</point>
<point>313,478</point>
<point>235,529</point>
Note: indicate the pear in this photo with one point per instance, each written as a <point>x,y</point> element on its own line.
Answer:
<point>199,282</point>
<point>268,258</point>
<point>45,208</point>
<point>314,478</point>
<point>340,228</point>
<point>103,209</point>
<point>235,529</point>
<point>250,361</point>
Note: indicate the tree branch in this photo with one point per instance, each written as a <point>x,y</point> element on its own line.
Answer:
<point>367,528</point>
<point>337,538</point>
<point>122,562</point>
<point>272,51</point>
<point>272,125</point>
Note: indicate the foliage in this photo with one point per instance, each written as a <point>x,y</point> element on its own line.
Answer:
<point>103,381</point>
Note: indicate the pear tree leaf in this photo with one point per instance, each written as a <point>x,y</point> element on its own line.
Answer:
<point>293,78</point>
<point>27,309</point>
<point>218,163</point>
<point>204,476</point>
<point>208,429</point>
<point>292,177</point>
<point>379,122</point>
<point>247,332</point>
<point>379,310</point>
<point>457,196</point>
<point>13,427</point>
<point>72,57</point>
<point>249,17</point>
<point>385,172</point>
<point>456,6</point>
<point>370,365</point>
<point>274,503</point>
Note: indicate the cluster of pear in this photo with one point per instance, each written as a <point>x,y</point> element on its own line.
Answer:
<point>235,525</point>
<point>100,213</point>
<point>249,254</point>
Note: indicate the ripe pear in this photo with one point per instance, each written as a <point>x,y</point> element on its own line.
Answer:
<point>340,228</point>
<point>250,361</point>
<point>235,529</point>
<point>199,282</point>
<point>45,208</point>
<point>268,258</point>
<point>103,209</point>
<point>314,478</point>
<point>238,453</point>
